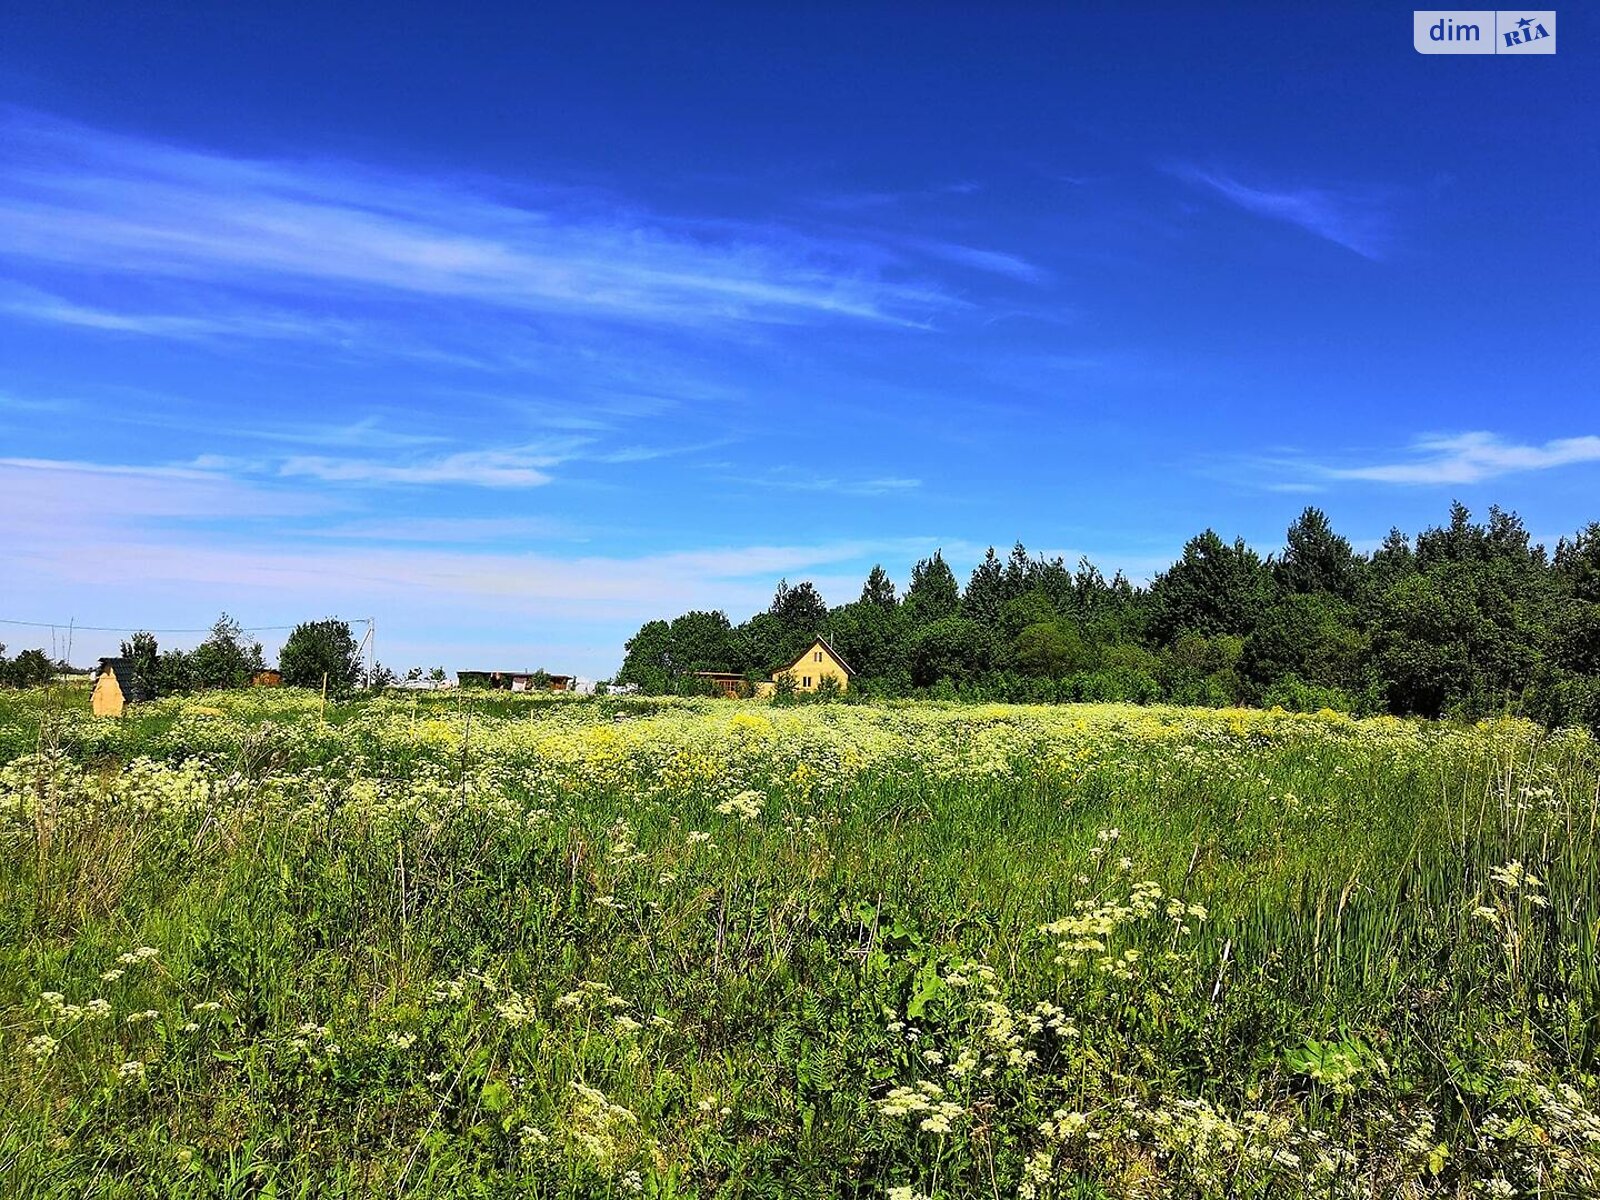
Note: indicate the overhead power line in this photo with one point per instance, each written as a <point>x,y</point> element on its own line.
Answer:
<point>139,628</point>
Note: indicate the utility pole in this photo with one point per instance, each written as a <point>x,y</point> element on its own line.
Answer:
<point>367,649</point>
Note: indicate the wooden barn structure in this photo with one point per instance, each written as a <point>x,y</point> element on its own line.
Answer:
<point>726,683</point>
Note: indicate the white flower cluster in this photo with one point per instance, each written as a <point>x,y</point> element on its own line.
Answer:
<point>747,806</point>
<point>606,1133</point>
<point>57,1008</point>
<point>925,1104</point>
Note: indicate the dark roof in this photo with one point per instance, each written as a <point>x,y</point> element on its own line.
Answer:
<point>134,686</point>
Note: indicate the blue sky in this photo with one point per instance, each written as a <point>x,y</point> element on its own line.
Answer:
<point>512,329</point>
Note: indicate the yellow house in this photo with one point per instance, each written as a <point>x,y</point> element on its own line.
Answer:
<point>820,661</point>
<point>116,685</point>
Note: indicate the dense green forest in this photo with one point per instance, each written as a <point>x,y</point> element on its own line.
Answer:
<point>1466,619</point>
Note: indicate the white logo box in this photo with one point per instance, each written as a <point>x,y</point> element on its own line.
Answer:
<point>1484,31</point>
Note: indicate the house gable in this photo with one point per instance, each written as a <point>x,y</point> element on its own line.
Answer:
<point>820,661</point>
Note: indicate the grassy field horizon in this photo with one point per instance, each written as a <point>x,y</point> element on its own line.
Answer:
<point>475,945</point>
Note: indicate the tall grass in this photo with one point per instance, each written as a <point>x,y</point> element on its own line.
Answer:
<point>437,947</point>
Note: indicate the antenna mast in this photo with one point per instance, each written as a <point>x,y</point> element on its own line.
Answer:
<point>366,650</point>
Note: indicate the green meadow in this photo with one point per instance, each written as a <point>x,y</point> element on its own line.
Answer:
<point>455,945</point>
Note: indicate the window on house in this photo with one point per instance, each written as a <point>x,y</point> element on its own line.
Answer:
<point>818,656</point>
<point>806,681</point>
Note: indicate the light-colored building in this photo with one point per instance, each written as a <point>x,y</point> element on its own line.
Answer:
<point>116,685</point>
<point>422,685</point>
<point>820,661</point>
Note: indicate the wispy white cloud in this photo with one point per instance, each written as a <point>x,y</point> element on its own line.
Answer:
<point>519,466</point>
<point>80,197</point>
<point>432,581</point>
<point>53,503</point>
<point>789,479</point>
<point>73,507</point>
<point>853,201</point>
<point>367,433</point>
<point>997,262</point>
<point>438,583</point>
<point>470,585</point>
<point>455,531</point>
<point>516,467</point>
<point>10,402</point>
<point>625,455</point>
<point>1433,460</point>
<point>1472,458</point>
<point>1359,219</point>
<point>389,458</point>
<point>65,467</point>
<point>35,305</point>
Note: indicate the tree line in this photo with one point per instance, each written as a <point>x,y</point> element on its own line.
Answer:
<point>1466,619</point>
<point>314,655</point>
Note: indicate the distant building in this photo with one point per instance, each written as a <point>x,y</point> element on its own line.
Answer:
<point>820,661</point>
<point>421,685</point>
<point>116,685</point>
<point>516,681</point>
<point>267,679</point>
<point>727,683</point>
<point>503,681</point>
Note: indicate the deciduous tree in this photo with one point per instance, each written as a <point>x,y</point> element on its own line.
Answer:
<point>316,649</point>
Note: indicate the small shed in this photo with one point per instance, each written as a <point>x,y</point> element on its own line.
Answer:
<point>725,683</point>
<point>267,679</point>
<point>116,685</point>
